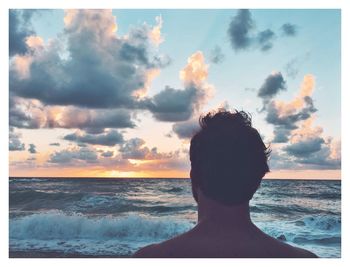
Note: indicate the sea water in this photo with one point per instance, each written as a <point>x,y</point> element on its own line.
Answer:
<point>114,217</point>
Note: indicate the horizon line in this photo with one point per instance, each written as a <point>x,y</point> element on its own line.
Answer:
<point>99,177</point>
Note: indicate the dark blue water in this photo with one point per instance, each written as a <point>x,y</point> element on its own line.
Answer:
<point>117,216</point>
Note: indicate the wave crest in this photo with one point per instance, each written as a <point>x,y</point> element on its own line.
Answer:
<point>57,225</point>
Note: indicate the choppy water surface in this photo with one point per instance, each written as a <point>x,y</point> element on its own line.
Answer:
<point>115,217</point>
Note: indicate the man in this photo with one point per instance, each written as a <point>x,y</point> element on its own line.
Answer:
<point>228,161</point>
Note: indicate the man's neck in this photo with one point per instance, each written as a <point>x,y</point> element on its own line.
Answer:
<point>214,213</point>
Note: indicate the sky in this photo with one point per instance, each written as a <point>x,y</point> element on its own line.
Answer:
<point>118,93</point>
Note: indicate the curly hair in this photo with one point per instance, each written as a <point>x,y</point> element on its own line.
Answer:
<point>228,157</point>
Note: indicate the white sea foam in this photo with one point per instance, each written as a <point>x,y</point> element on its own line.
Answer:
<point>310,232</point>
<point>123,235</point>
<point>57,225</point>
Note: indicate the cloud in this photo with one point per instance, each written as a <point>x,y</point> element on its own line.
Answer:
<point>307,146</point>
<point>289,29</point>
<point>70,117</point>
<point>88,157</point>
<point>195,73</point>
<point>15,143</point>
<point>20,29</point>
<point>292,67</point>
<point>265,39</point>
<point>243,34</point>
<point>186,129</point>
<point>54,144</point>
<point>107,154</point>
<point>71,156</point>
<point>155,33</point>
<point>279,160</point>
<point>103,70</point>
<point>92,79</point>
<point>167,164</point>
<point>321,160</point>
<point>173,104</point>
<point>281,134</point>
<point>240,29</point>
<point>216,55</point>
<point>32,114</point>
<point>286,115</point>
<point>32,149</point>
<point>324,158</point>
<point>109,138</point>
<point>135,149</point>
<point>180,104</point>
<point>24,113</point>
<point>272,85</point>
<point>304,148</point>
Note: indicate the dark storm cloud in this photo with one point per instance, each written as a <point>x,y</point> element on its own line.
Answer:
<point>186,129</point>
<point>19,29</point>
<point>15,143</point>
<point>304,148</point>
<point>315,152</point>
<point>110,138</point>
<point>174,104</point>
<point>265,38</point>
<point>69,156</point>
<point>289,29</point>
<point>239,30</point>
<point>316,155</point>
<point>216,55</point>
<point>320,160</point>
<point>98,84</point>
<point>180,104</point>
<point>102,71</point>
<point>32,149</point>
<point>281,134</point>
<point>272,85</point>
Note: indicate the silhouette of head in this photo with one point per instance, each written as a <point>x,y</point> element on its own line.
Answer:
<point>228,158</point>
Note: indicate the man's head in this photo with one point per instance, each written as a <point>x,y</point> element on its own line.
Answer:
<point>228,158</point>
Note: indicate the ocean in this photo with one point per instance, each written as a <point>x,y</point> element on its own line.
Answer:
<point>98,217</point>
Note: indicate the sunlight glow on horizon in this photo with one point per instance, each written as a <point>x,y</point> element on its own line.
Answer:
<point>75,173</point>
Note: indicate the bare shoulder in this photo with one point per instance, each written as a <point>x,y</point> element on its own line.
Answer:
<point>289,251</point>
<point>149,251</point>
<point>167,249</point>
<point>171,248</point>
<point>303,253</point>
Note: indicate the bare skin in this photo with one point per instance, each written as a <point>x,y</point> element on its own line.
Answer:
<point>222,232</point>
